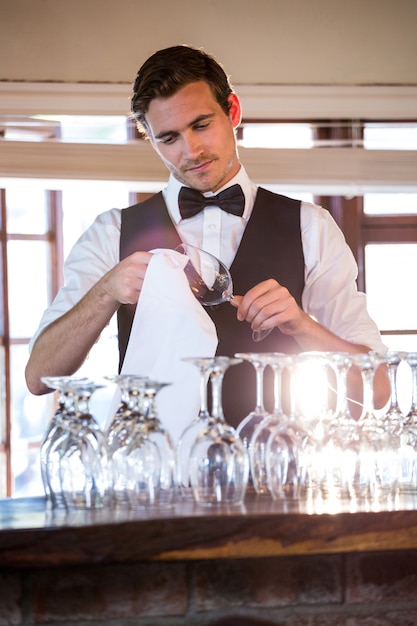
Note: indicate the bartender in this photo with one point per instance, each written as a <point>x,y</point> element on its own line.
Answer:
<point>292,269</point>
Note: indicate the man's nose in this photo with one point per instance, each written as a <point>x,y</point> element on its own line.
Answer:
<point>192,146</point>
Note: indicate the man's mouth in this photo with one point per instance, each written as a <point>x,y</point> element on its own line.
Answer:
<point>198,167</point>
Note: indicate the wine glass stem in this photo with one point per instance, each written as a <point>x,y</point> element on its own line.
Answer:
<point>259,369</point>
<point>203,391</point>
<point>368,394</point>
<point>342,400</point>
<point>413,388</point>
<point>392,375</point>
<point>81,403</point>
<point>216,392</point>
<point>277,388</point>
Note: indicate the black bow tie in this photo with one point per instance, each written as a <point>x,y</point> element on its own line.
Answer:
<point>191,201</point>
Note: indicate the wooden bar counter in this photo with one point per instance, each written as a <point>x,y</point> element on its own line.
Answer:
<point>32,534</point>
<point>289,564</point>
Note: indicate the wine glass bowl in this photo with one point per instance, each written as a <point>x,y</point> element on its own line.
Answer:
<point>211,281</point>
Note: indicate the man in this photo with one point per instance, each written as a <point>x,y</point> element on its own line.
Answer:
<point>291,267</point>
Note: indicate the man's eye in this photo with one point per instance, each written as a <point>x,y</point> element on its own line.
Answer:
<point>168,140</point>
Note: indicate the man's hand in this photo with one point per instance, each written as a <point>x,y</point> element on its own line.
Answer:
<point>63,346</point>
<point>269,304</point>
<point>124,282</point>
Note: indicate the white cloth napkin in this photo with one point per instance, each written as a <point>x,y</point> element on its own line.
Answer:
<point>170,324</point>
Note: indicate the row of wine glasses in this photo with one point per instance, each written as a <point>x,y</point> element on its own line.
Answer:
<point>307,449</point>
<point>326,452</point>
<point>135,462</point>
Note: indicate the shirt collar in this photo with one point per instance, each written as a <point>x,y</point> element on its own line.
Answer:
<point>173,187</point>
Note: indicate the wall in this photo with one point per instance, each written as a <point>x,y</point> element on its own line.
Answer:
<point>368,589</point>
<point>355,42</point>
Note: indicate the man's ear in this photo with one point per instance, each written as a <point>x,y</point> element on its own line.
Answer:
<point>235,111</point>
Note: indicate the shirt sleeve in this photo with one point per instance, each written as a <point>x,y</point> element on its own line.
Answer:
<point>330,294</point>
<point>92,256</point>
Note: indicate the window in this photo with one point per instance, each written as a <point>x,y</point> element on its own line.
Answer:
<point>41,227</point>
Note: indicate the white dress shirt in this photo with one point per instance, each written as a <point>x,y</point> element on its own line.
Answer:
<point>330,294</point>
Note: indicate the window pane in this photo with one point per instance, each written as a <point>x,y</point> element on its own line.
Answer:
<point>391,276</point>
<point>407,343</point>
<point>28,285</point>
<point>276,136</point>
<point>304,196</point>
<point>82,201</point>
<point>390,204</point>
<point>91,128</point>
<point>26,208</point>
<point>30,415</point>
<point>385,136</point>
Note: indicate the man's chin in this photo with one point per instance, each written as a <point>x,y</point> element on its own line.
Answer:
<point>200,183</point>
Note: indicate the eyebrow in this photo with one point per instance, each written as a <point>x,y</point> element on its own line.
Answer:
<point>194,122</point>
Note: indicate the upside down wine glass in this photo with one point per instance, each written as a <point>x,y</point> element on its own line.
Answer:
<point>191,432</point>
<point>211,281</point>
<point>409,433</point>
<point>219,463</point>
<point>283,455</point>
<point>120,432</point>
<point>342,445</point>
<point>396,424</point>
<point>81,455</point>
<point>150,454</point>
<point>55,429</point>
<point>297,437</point>
<point>378,468</point>
<point>248,425</point>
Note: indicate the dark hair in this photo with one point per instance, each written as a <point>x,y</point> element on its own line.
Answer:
<point>167,71</point>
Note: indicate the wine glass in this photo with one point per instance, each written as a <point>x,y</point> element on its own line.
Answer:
<point>56,427</point>
<point>150,454</point>
<point>257,446</point>
<point>219,462</point>
<point>121,429</point>
<point>309,393</point>
<point>393,417</point>
<point>190,433</point>
<point>409,433</point>
<point>342,446</point>
<point>289,428</point>
<point>247,426</point>
<point>210,280</point>
<point>82,454</point>
<point>397,424</point>
<point>379,464</point>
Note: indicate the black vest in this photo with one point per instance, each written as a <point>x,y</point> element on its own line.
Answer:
<point>271,247</point>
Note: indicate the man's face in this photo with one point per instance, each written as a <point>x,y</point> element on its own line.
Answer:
<point>194,137</point>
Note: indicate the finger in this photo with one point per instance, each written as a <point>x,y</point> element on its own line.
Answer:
<point>235,301</point>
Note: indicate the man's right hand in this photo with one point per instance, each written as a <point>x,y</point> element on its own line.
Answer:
<point>124,282</point>
<point>63,346</point>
